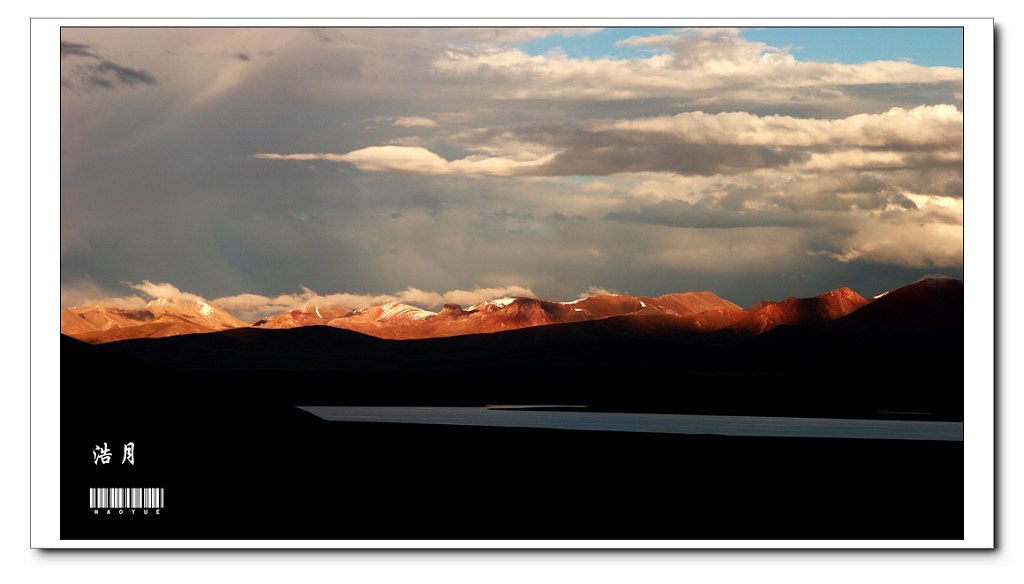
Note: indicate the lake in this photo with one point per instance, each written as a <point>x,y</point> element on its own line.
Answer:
<point>566,419</point>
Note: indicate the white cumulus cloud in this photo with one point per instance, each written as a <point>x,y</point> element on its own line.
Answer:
<point>165,290</point>
<point>418,160</point>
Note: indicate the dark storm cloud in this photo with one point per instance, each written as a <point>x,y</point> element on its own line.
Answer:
<point>106,74</point>
<point>599,153</point>
<point>779,212</point>
<point>94,80</point>
<point>943,181</point>
<point>858,192</point>
<point>556,216</point>
<point>707,215</point>
<point>246,56</point>
<point>699,143</point>
<point>68,49</point>
<point>124,75</point>
<point>506,216</point>
<point>881,96</point>
<point>431,201</point>
<point>685,159</point>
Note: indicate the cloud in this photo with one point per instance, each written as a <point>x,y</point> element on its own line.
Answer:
<point>931,126</point>
<point>595,291</point>
<point>478,295</point>
<point>165,290</point>
<point>106,74</point>
<point>592,160</point>
<point>415,122</point>
<point>249,302</point>
<point>707,154</point>
<point>708,215</point>
<point>511,35</point>
<point>124,75</point>
<point>785,198</point>
<point>689,64</point>
<point>69,49</point>
<point>251,307</point>
<point>700,143</point>
<point>691,143</point>
<point>920,246</point>
<point>418,160</point>
<point>558,216</point>
<point>401,159</point>
<point>597,186</point>
<point>86,292</point>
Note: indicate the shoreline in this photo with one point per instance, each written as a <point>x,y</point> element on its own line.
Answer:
<point>569,419</point>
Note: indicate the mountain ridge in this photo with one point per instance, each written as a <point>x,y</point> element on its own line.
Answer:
<point>643,361</point>
<point>680,315</point>
<point>161,317</point>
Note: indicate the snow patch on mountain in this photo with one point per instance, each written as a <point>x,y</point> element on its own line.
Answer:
<point>493,304</point>
<point>395,309</point>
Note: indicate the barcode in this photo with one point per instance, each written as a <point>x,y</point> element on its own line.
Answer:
<point>125,498</point>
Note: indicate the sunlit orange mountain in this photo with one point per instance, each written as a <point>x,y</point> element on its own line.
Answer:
<point>804,312</point>
<point>930,302</point>
<point>301,317</point>
<point>159,318</point>
<point>400,321</point>
<point>685,314</point>
<point>833,355</point>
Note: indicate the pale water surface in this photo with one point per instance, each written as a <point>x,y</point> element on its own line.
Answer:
<point>655,423</point>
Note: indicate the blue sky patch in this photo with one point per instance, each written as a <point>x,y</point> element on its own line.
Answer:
<point>926,46</point>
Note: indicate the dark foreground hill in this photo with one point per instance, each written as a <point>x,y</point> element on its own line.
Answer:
<point>899,356</point>
<point>238,461</point>
<point>619,363</point>
<point>213,420</point>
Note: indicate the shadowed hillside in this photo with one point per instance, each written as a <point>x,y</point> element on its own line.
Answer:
<point>885,367</point>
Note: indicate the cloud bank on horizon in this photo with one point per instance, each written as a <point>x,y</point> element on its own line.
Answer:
<point>244,164</point>
<point>251,307</point>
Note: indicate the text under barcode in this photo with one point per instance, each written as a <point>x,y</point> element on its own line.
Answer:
<point>126,498</point>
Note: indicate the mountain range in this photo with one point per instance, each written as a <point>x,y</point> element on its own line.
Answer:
<point>931,302</point>
<point>834,355</point>
<point>219,409</point>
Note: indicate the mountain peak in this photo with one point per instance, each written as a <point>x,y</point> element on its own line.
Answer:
<point>392,310</point>
<point>929,303</point>
<point>845,291</point>
<point>941,281</point>
<point>492,305</point>
<point>160,317</point>
<point>204,307</point>
<point>843,294</point>
<point>452,310</point>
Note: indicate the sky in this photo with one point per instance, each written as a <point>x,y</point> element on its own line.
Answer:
<point>265,169</point>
